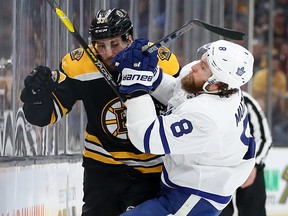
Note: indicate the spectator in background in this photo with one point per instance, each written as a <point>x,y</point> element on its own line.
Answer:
<point>279,91</point>
<point>279,85</point>
<point>261,19</point>
<point>258,53</point>
<point>283,53</point>
<point>280,27</point>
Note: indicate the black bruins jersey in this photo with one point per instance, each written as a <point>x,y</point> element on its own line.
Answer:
<point>106,138</point>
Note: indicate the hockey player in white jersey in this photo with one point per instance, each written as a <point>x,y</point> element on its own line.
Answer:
<point>205,136</point>
<point>251,196</point>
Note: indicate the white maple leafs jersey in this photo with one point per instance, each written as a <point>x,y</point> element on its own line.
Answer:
<point>206,141</point>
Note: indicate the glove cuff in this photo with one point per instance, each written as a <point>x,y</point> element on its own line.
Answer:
<point>131,77</point>
<point>157,78</point>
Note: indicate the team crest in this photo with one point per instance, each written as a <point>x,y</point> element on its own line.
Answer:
<point>77,54</point>
<point>164,53</point>
<point>113,120</point>
<point>240,71</point>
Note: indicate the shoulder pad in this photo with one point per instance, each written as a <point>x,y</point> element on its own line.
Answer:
<point>168,61</point>
<point>77,62</point>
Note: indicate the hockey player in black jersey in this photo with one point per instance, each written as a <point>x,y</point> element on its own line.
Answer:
<point>117,176</point>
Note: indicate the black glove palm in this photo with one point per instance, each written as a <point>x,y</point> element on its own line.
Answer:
<point>39,85</point>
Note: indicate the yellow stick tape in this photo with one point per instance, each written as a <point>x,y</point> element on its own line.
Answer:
<point>65,19</point>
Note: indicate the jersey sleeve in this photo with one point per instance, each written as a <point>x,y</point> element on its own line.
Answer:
<point>39,115</point>
<point>63,97</point>
<point>168,61</point>
<point>165,90</point>
<point>73,67</point>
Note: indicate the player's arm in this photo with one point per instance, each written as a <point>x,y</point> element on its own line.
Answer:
<point>47,96</point>
<point>165,89</point>
<point>37,95</point>
<point>138,71</point>
<point>172,133</point>
<point>170,66</point>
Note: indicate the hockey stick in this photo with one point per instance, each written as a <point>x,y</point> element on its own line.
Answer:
<point>229,33</point>
<point>177,33</point>
<point>103,70</point>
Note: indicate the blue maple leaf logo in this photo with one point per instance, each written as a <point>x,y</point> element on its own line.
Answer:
<point>240,71</point>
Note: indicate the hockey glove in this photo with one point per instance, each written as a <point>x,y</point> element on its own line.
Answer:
<point>137,69</point>
<point>38,86</point>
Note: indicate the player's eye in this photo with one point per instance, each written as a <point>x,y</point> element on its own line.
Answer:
<point>100,46</point>
<point>114,43</point>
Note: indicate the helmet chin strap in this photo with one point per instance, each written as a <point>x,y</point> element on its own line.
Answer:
<point>211,80</point>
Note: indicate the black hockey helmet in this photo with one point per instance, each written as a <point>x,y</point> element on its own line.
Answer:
<point>110,23</point>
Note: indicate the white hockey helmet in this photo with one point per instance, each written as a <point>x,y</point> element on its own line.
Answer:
<point>230,63</point>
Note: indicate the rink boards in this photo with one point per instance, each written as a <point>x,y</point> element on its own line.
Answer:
<point>56,188</point>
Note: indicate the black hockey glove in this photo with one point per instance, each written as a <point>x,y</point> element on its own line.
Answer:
<point>38,86</point>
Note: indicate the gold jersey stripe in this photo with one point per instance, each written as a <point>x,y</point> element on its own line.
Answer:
<point>108,160</point>
<point>99,157</point>
<point>122,155</point>
<point>53,118</point>
<point>92,138</point>
<point>157,169</point>
<point>64,110</point>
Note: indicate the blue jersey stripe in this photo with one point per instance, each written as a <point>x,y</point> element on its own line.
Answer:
<point>147,138</point>
<point>249,141</point>
<point>163,136</point>
<point>214,197</point>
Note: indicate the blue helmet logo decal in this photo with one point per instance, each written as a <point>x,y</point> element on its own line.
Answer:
<point>240,71</point>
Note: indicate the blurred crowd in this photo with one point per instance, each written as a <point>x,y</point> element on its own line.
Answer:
<point>279,75</point>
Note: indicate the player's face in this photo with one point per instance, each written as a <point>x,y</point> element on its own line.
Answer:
<point>194,81</point>
<point>108,49</point>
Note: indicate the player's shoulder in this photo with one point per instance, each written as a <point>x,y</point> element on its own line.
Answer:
<point>168,61</point>
<point>77,62</point>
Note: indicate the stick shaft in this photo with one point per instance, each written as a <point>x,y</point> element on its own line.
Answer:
<point>102,69</point>
<point>229,33</point>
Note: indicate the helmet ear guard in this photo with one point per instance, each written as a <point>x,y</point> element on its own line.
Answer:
<point>230,63</point>
<point>110,23</point>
